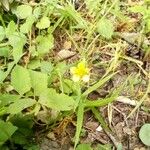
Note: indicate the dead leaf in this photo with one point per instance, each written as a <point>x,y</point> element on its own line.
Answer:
<point>67,45</point>
<point>65,54</point>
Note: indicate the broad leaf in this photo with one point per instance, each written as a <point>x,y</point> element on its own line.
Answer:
<point>4,51</point>
<point>105,28</point>
<point>20,105</point>
<point>26,27</point>
<point>20,79</point>
<point>6,131</point>
<point>23,11</point>
<point>2,33</point>
<point>38,82</point>
<point>11,28</point>
<point>3,74</point>
<point>17,41</point>
<point>144,134</point>
<point>44,44</point>
<point>6,99</point>
<point>54,100</point>
<point>46,67</point>
<point>43,23</point>
<point>84,147</point>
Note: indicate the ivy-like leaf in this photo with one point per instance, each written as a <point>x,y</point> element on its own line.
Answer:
<point>23,11</point>
<point>144,134</point>
<point>43,23</point>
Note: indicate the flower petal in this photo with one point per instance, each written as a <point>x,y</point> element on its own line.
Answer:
<point>73,70</point>
<point>75,78</point>
<point>86,78</point>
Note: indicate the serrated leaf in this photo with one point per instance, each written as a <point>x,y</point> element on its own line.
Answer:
<point>54,100</point>
<point>6,99</point>
<point>144,134</point>
<point>3,74</point>
<point>23,11</point>
<point>26,27</point>
<point>2,33</point>
<point>43,23</point>
<point>46,67</point>
<point>44,44</point>
<point>20,79</point>
<point>33,64</point>
<point>20,105</point>
<point>17,41</point>
<point>105,28</point>
<point>6,131</point>
<point>39,82</point>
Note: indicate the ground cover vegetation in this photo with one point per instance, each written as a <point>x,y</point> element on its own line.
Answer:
<point>74,74</point>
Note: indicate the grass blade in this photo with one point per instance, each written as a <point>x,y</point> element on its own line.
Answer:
<point>101,120</point>
<point>98,84</point>
<point>80,114</point>
<point>100,102</point>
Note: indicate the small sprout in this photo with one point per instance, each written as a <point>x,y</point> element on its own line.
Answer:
<point>81,72</point>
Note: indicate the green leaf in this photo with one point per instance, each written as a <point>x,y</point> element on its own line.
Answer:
<point>4,51</point>
<point>23,11</point>
<point>46,67</point>
<point>84,147</point>
<point>43,23</point>
<point>144,134</point>
<point>147,26</point>
<point>6,99</point>
<point>20,79</point>
<point>39,82</point>
<point>26,27</point>
<point>6,131</point>
<point>11,28</point>
<point>80,115</point>
<point>17,41</point>
<point>20,105</point>
<point>37,12</point>
<point>138,9</point>
<point>44,44</point>
<point>99,102</point>
<point>33,64</point>
<point>2,33</point>
<point>54,100</point>
<point>3,75</point>
<point>105,28</point>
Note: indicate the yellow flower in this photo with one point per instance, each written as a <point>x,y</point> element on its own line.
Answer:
<point>81,72</point>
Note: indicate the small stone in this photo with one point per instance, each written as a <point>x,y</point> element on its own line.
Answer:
<point>51,136</point>
<point>99,128</point>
